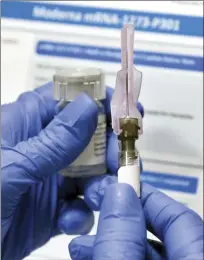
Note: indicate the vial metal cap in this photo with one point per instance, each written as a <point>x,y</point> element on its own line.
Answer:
<point>70,82</point>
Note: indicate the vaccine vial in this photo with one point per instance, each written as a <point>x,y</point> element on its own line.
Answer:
<point>67,85</point>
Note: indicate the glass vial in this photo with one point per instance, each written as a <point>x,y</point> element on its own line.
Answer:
<point>67,85</point>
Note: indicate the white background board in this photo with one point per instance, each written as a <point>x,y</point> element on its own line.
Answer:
<point>171,62</point>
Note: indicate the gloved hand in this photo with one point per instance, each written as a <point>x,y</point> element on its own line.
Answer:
<point>121,230</point>
<point>36,202</point>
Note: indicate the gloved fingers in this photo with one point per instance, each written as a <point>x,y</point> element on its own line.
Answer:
<point>112,153</point>
<point>48,104</point>
<point>107,101</point>
<point>55,147</point>
<point>179,228</point>
<point>27,116</point>
<point>93,189</point>
<point>74,217</point>
<point>82,247</point>
<point>121,232</point>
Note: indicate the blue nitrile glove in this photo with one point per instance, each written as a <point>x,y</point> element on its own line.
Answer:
<point>121,213</point>
<point>121,228</point>
<point>36,202</point>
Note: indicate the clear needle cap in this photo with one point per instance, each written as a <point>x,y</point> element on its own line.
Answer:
<point>128,84</point>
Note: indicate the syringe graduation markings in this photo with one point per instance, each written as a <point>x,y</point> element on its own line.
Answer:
<point>126,119</point>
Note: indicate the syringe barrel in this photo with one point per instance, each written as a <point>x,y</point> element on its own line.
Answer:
<point>127,138</point>
<point>130,174</point>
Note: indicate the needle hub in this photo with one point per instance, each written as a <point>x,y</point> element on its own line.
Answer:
<point>127,137</point>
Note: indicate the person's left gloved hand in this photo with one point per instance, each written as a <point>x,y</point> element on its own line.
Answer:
<point>36,202</point>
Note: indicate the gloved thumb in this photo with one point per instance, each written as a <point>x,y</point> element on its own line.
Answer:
<point>55,147</point>
<point>121,230</point>
<point>74,217</point>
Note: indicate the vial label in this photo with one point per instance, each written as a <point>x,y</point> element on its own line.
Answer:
<point>95,152</point>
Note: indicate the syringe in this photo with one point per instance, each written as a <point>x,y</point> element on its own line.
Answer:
<point>126,119</point>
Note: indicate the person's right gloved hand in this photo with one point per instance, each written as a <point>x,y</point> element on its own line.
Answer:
<point>121,230</point>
